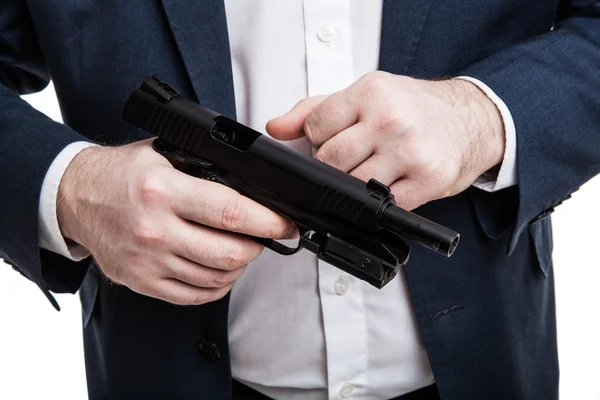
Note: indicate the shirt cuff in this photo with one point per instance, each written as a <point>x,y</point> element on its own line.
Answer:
<point>506,176</point>
<point>51,237</point>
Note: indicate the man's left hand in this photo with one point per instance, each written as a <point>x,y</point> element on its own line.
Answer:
<point>425,139</point>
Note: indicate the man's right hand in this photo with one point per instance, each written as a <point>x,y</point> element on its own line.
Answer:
<point>158,231</point>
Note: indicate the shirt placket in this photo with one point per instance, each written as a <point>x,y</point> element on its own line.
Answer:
<point>329,69</point>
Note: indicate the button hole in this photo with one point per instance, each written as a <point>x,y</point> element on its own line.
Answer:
<point>448,310</point>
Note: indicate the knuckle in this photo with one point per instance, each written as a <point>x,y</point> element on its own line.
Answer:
<point>303,103</point>
<point>146,233</point>
<point>195,275</point>
<point>411,148</point>
<point>233,216</point>
<point>178,300</point>
<point>443,179</point>
<point>447,192</point>
<point>427,175</point>
<point>322,155</point>
<point>431,168</point>
<point>311,128</point>
<point>220,279</point>
<point>335,152</point>
<point>420,160</point>
<point>437,182</point>
<point>221,292</point>
<point>148,290</point>
<point>236,259</point>
<point>375,83</point>
<point>182,298</point>
<point>277,229</point>
<point>201,297</point>
<point>151,187</point>
<point>327,157</point>
<point>390,121</point>
<point>407,198</point>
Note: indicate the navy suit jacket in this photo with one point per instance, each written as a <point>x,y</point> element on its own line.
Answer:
<point>486,315</point>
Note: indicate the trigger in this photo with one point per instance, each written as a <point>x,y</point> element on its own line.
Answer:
<point>276,246</point>
<point>281,248</point>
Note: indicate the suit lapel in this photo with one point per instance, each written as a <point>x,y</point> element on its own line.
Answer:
<point>401,28</point>
<point>200,31</point>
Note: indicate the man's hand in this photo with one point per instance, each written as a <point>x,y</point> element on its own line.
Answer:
<point>158,231</point>
<point>425,139</point>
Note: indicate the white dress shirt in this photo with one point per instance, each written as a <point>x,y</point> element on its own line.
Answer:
<point>299,327</point>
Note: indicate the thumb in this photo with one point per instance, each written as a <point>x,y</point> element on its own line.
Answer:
<point>291,125</point>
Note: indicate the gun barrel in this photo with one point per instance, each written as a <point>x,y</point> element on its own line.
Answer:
<point>420,230</point>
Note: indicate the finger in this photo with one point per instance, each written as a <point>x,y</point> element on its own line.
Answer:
<point>290,125</point>
<point>181,293</point>
<point>220,207</point>
<point>409,194</point>
<point>213,248</point>
<point>336,113</point>
<point>348,149</point>
<point>382,168</point>
<point>201,276</point>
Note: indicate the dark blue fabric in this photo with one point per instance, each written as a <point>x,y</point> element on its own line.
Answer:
<point>486,315</point>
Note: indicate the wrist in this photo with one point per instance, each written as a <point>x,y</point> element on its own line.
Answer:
<point>485,125</point>
<point>74,190</point>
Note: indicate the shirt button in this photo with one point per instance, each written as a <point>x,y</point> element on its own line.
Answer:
<point>346,390</point>
<point>327,33</point>
<point>341,286</point>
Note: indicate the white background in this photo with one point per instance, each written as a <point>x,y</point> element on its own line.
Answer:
<point>41,351</point>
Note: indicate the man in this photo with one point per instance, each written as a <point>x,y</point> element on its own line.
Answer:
<point>484,117</point>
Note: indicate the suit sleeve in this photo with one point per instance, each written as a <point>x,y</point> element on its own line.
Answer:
<point>551,85</point>
<point>29,142</point>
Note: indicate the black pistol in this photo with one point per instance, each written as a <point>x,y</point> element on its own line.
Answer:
<point>346,222</point>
